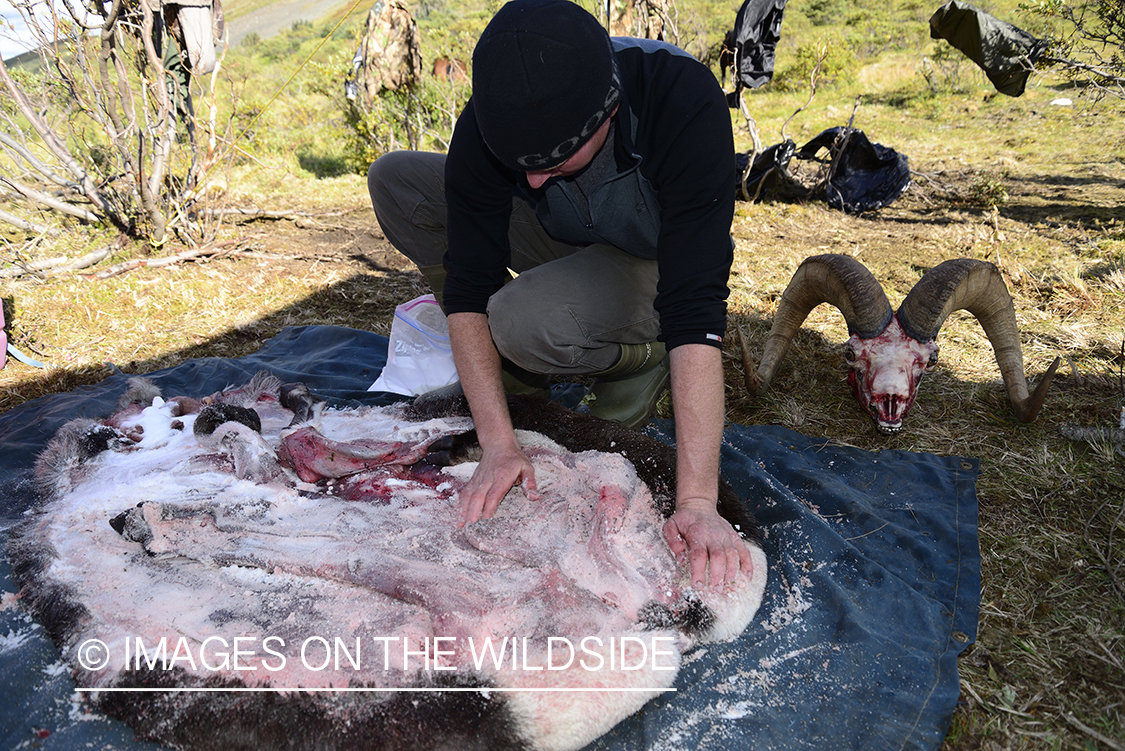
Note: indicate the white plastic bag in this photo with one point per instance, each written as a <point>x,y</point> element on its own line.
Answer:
<point>419,358</point>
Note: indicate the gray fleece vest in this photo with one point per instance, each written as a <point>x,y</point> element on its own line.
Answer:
<point>622,207</point>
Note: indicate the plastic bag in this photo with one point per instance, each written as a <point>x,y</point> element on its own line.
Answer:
<point>419,357</point>
<point>863,176</point>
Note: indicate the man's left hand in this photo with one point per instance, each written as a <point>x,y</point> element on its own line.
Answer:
<point>710,542</point>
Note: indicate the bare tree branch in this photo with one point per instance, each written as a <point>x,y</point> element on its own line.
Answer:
<point>51,266</point>
<point>1105,71</point>
<point>164,130</point>
<point>49,200</point>
<point>217,249</point>
<point>24,224</point>
<point>821,56</point>
<point>54,144</point>
<point>117,80</point>
<point>31,159</point>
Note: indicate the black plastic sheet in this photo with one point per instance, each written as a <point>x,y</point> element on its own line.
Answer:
<point>757,29</point>
<point>1006,53</point>
<point>861,175</point>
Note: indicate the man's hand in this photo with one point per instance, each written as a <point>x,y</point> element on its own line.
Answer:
<point>696,527</point>
<point>710,542</point>
<point>503,464</point>
<point>498,472</point>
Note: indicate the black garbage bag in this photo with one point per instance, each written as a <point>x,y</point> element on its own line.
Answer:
<point>757,28</point>
<point>860,175</point>
<point>769,167</point>
<point>1005,53</point>
<point>864,176</point>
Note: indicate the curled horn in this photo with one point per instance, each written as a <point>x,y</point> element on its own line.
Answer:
<point>839,280</point>
<point>978,287</point>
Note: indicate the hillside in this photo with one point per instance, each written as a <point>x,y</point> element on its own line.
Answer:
<point>246,17</point>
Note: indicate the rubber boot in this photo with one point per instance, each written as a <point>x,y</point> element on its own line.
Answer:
<point>516,382</point>
<point>435,275</point>
<point>520,382</point>
<point>628,392</point>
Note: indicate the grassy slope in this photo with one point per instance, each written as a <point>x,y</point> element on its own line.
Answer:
<point>1034,187</point>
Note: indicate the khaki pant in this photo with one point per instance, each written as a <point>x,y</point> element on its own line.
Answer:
<point>569,308</point>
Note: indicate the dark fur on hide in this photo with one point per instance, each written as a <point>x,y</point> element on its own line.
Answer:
<point>74,443</point>
<point>119,522</point>
<point>460,721</point>
<point>214,415</point>
<point>57,607</point>
<point>262,384</point>
<point>139,391</point>
<point>455,448</point>
<point>297,398</point>
<point>654,461</point>
<point>694,618</point>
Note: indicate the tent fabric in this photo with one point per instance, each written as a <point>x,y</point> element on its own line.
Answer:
<point>874,580</point>
<point>1005,53</point>
<point>757,29</point>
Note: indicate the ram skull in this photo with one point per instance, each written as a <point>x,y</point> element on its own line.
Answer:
<point>888,352</point>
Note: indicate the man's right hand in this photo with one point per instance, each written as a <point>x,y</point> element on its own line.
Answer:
<point>499,471</point>
<point>503,464</point>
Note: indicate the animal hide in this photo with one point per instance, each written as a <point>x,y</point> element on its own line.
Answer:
<point>298,569</point>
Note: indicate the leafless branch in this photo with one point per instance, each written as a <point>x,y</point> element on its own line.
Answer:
<point>838,146</point>
<point>117,80</point>
<point>216,249</point>
<point>752,126</point>
<point>49,200</point>
<point>50,266</point>
<point>164,131</point>
<point>24,224</point>
<point>31,159</point>
<point>52,141</point>
<point>821,56</point>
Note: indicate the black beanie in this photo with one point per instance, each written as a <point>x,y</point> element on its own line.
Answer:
<point>544,79</point>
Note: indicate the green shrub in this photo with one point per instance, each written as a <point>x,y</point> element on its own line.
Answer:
<point>826,12</point>
<point>947,71</point>
<point>420,117</point>
<point>987,191</point>
<point>836,59</point>
<point>871,32</point>
<point>284,46</point>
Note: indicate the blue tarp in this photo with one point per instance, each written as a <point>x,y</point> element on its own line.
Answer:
<point>874,580</point>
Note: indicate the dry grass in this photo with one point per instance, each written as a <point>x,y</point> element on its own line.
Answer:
<point>320,267</point>
<point>1047,669</point>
